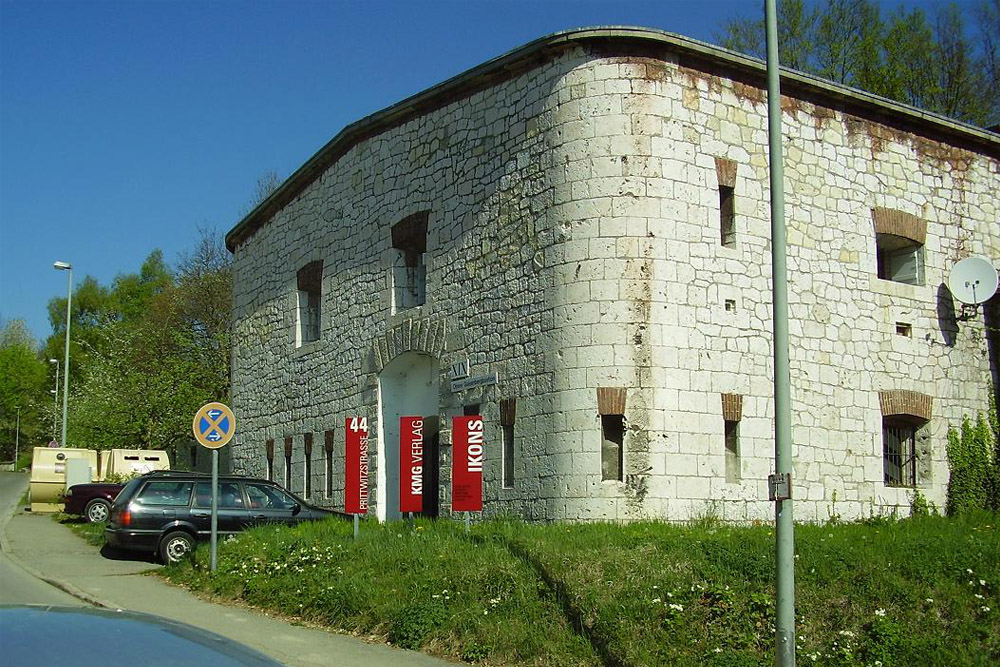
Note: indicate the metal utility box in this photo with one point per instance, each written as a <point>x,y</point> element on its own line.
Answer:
<point>48,475</point>
<point>117,463</point>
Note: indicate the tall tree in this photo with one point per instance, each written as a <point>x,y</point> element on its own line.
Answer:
<point>988,19</point>
<point>22,389</point>
<point>163,353</point>
<point>936,65</point>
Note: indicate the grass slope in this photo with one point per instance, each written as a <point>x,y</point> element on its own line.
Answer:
<point>920,591</point>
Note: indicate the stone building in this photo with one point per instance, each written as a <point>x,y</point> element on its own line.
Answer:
<point>582,226</point>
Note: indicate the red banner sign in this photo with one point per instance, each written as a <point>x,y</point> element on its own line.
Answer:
<point>467,476</point>
<point>411,464</point>
<point>356,465</point>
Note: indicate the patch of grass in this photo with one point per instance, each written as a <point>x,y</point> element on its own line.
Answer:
<point>431,588</point>
<point>917,591</point>
<point>93,533</point>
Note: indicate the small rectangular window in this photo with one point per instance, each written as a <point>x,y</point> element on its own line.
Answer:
<point>310,288</point>
<point>328,449</point>
<point>727,213</point>
<point>307,482</point>
<point>409,274</point>
<point>471,410</point>
<point>508,456</point>
<point>904,329</point>
<point>269,453</point>
<point>732,437</point>
<point>613,434</point>
<point>899,453</point>
<point>288,472</point>
<point>508,413</point>
<point>900,259</point>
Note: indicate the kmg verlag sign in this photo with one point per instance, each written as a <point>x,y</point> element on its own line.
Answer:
<point>411,464</point>
<point>356,471</point>
<point>467,476</point>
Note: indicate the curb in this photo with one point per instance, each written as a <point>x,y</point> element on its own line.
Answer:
<point>65,587</point>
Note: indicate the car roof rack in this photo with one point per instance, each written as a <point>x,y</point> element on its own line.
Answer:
<point>177,473</point>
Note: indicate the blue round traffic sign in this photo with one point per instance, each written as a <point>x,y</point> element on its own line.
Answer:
<point>214,425</point>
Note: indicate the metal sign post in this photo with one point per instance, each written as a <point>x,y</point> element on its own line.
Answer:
<point>214,426</point>
<point>468,450</point>
<point>356,469</point>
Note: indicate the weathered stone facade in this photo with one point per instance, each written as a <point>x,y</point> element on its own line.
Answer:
<point>572,191</point>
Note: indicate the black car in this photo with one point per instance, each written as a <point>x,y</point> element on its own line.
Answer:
<point>165,512</point>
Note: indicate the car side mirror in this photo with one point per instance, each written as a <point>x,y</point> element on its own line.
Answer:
<point>296,508</point>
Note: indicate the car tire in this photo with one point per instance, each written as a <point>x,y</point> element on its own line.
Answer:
<point>97,511</point>
<point>175,547</point>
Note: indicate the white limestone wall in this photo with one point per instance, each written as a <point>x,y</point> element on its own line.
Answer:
<point>643,280</point>
<point>574,244</point>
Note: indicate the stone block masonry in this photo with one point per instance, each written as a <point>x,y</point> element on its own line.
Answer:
<point>573,194</point>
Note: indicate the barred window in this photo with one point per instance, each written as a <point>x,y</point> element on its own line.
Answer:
<point>899,453</point>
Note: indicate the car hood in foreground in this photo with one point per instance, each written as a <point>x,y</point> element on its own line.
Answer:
<point>88,637</point>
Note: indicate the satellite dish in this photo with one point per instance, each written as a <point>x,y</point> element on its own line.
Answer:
<point>973,280</point>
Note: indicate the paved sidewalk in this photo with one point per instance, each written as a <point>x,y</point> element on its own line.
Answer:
<point>52,552</point>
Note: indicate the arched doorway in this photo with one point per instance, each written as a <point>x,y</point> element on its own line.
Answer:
<point>407,386</point>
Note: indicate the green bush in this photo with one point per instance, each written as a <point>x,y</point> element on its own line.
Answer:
<point>974,480</point>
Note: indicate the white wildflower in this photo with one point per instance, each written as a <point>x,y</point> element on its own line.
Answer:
<point>880,612</point>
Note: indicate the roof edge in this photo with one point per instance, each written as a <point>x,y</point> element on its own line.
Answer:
<point>533,53</point>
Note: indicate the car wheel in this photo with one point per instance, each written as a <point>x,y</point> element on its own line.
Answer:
<point>175,547</point>
<point>97,510</point>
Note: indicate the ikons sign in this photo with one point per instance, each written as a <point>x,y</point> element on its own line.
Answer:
<point>467,476</point>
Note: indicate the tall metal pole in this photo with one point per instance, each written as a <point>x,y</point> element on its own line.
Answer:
<point>55,402</point>
<point>17,436</point>
<point>784,528</point>
<point>215,506</point>
<point>66,266</point>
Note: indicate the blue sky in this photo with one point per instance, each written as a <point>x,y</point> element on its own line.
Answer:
<point>126,126</point>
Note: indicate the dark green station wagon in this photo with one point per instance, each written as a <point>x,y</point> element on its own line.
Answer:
<point>166,512</point>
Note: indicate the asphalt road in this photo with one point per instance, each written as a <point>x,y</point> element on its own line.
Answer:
<point>51,552</point>
<point>16,585</point>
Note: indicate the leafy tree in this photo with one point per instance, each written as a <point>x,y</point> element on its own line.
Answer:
<point>91,308</point>
<point>161,351</point>
<point>935,65</point>
<point>22,384</point>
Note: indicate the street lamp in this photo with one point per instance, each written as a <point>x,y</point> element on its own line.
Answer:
<point>17,436</point>
<point>66,266</point>
<point>55,401</point>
